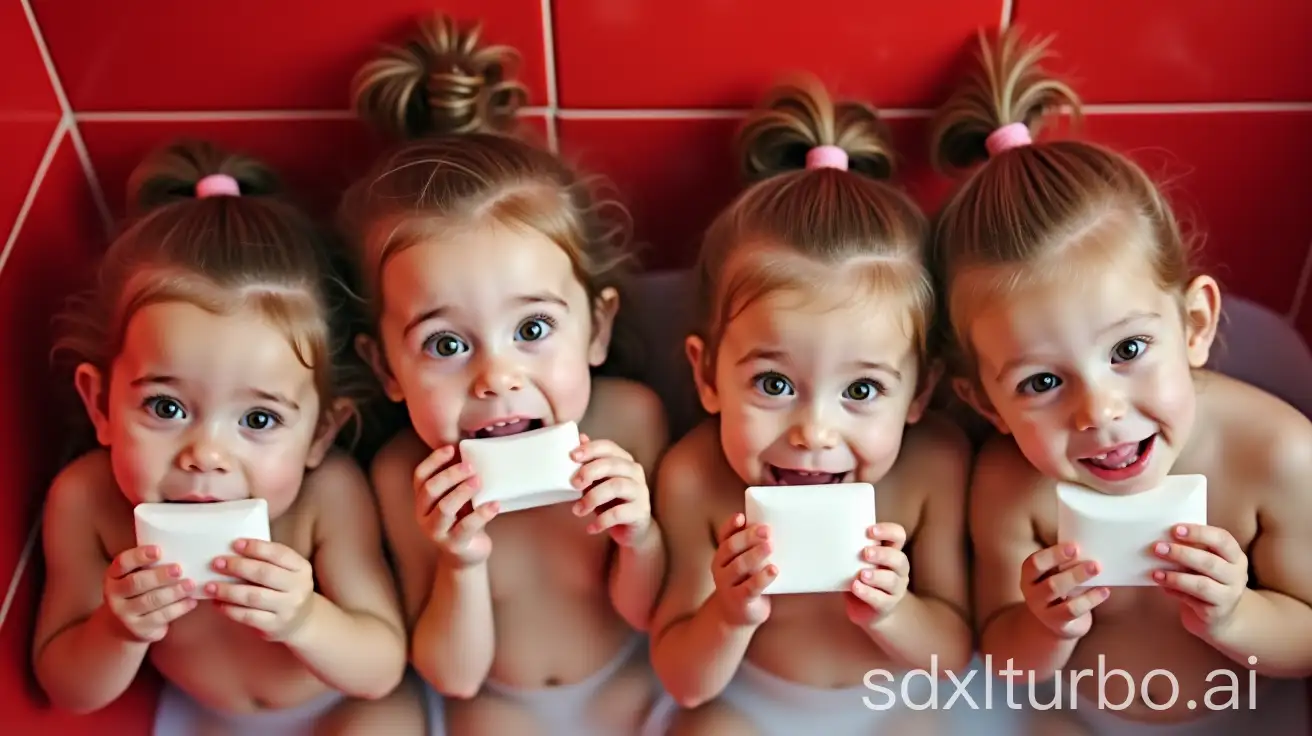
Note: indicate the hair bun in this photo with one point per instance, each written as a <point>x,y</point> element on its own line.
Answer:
<point>440,82</point>
<point>172,172</point>
<point>1008,86</point>
<point>798,116</point>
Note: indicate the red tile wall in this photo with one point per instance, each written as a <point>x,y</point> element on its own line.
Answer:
<point>1212,95</point>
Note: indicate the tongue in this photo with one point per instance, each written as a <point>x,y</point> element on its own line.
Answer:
<point>506,429</point>
<point>1116,458</point>
<point>798,478</point>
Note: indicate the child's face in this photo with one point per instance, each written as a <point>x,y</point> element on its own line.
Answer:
<point>207,407</point>
<point>487,333</point>
<point>1091,372</point>
<point>813,389</point>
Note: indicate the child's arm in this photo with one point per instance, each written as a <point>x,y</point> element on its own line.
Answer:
<point>448,607</point>
<point>84,657</point>
<point>353,637</point>
<point>696,649</point>
<point>1272,621</point>
<point>639,567</point>
<point>929,623</point>
<point>1002,532</point>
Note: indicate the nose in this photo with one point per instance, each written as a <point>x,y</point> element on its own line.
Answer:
<point>497,377</point>
<point>1100,405</point>
<point>204,453</point>
<point>810,432</point>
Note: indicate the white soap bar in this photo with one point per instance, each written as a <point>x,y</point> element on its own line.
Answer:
<point>525,470</point>
<point>817,533</point>
<point>193,534</point>
<point>1118,532</point>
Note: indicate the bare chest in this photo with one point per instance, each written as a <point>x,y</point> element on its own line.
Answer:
<point>545,549</point>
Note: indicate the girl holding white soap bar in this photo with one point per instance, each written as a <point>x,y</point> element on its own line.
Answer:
<point>814,360</point>
<point>495,282</point>
<point>213,367</point>
<point>1083,336</point>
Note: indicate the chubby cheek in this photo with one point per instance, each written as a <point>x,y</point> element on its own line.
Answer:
<point>565,381</point>
<point>745,434</point>
<point>277,480</point>
<point>139,467</point>
<point>1172,402</point>
<point>1043,446</point>
<point>876,451</point>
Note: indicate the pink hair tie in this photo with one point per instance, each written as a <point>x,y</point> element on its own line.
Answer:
<point>826,157</point>
<point>1008,137</point>
<point>217,185</point>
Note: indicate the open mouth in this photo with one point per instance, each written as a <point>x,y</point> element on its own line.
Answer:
<point>791,477</point>
<point>1123,461</point>
<point>505,428</point>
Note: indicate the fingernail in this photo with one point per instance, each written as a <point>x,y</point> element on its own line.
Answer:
<point>473,482</point>
<point>1181,531</point>
<point>220,563</point>
<point>175,571</point>
<point>1158,575</point>
<point>871,554</point>
<point>1092,567</point>
<point>1104,593</point>
<point>152,552</point>
<point>1068,550</point>
<point>578,509</point>
<point>1162,548</point>
<point>762,531</point>
<point>239,545</point>
<point>866,575</point>
<point>188,585</point>
<point>211,588</point>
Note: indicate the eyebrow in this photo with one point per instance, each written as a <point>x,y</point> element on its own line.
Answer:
<point>544,297</point>
<point>779,356</point>
<point>173,381</point>
<point>1130,318</point>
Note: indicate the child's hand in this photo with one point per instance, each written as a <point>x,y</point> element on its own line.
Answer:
<point>876,592</point>
<point>1216,577</point>
<point>277,600</point>
<point>442,490</point>
<point>146,600</point>
<point>615,480</point>
<point>1047,579</point>
<point>741,571</point>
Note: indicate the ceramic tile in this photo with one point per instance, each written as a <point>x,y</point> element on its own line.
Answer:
<point>249,54</point>
<point>27,82</point>
<point>1178,50</point>
<point>725,53</point>
<point>53,257</point>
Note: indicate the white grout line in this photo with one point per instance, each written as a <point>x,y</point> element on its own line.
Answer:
<point>549,54</point>
<point>37,179</point>
<point>1186,108</point>
<point>23,559</point>
<point>1301,291</point>
<point>66,110</point>
<point>1008,12</point>
<point>214,116</point>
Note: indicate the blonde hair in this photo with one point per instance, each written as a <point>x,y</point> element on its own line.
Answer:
<point>452,103</point>
<point>851,218</point>
<point>1032,204</point>
<point>220,253</point>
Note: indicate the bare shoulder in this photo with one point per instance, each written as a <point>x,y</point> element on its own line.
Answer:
<point>1269,441</point>
<point>630,414</point>
<point>693,474</point>
<point>339,483</point>
<point>394,464</point>
<point>1002,475</point>
<point>936,448</point>
<point>82,492</point>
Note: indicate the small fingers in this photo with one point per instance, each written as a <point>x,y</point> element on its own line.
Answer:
<point>437,488</point>
<point>631,512</point>
<point>880,600</point>
<point>747,564</point>
<point>264,574</point>
<point>159,598</point>
<point>1078,605</point>
<point>885,580</point>
<point>443,516</point>
<point>600,469</point>
<point>604,493</point>
<point>1196,586</point>
<point>255,618</point>
<point>754,586</point>
<point>144,581</point>
<point>1218,540</point>
<point>1198,560</point>
<point>591,450</point>
<point>731,526</point>
<point>736,543</point>
<point>890,534</point>
<point>1060,585</point>
<point>246,596</point>
<point>891,558</point>
<point>435,461</point>
<point>1045,561</point>
<point>279,555</point>
<point>134,559</point>
<point>467,528</point>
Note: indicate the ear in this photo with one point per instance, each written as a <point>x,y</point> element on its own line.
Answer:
<point>329,425</point>
<point>1202,315</point>
<point>604,309</point>
<point>695,349</point>
<point>974,397</point>
<point>925,393</point>
<point>90,384</point>
<point>371,352</point>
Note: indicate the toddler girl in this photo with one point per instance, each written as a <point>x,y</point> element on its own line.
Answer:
<point>494,285</point>
<point>212,367</point>
<point>1083,332</point>
<point>814,360</point>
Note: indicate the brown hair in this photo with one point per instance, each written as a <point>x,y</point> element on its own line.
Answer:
<point>1033,204</point>
<point>452,103</point>
<point>831,216</point>
<point>220,253</point>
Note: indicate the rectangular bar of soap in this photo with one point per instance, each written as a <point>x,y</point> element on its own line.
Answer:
<point>525,470</point>
<point>193,534</point>
<point>1118,532</point>
<point>817,533</point>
